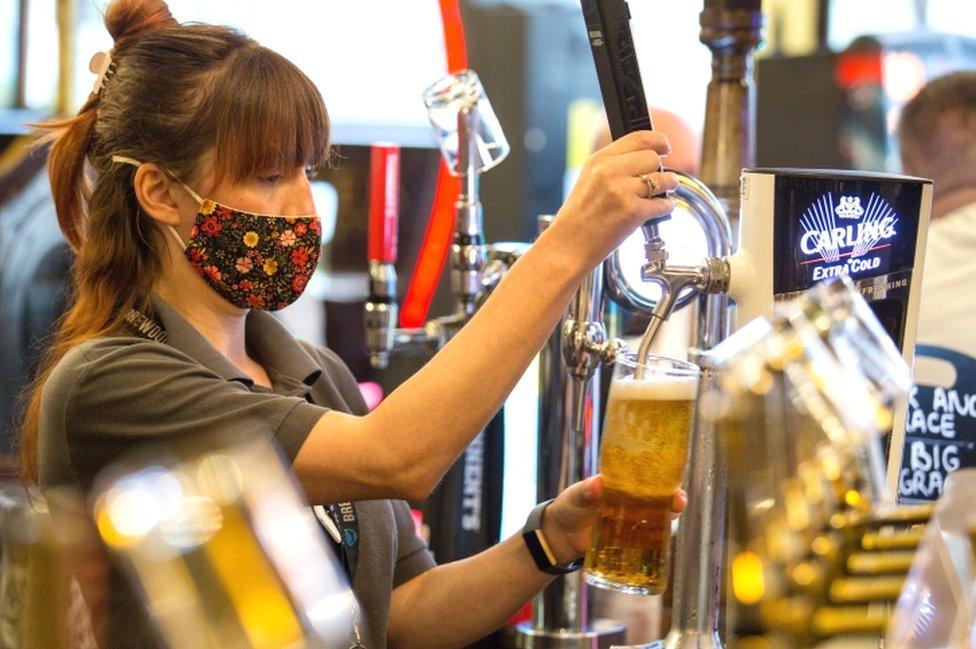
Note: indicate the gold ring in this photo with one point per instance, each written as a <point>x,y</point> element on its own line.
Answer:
<point>653,189</point>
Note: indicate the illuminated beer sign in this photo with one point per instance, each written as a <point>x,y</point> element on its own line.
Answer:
<point>827,224</point>
<point>840,236</point>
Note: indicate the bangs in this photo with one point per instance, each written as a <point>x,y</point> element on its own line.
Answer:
<point>270,117</point>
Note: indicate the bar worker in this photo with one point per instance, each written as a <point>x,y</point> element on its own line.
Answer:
<point>199,220</point>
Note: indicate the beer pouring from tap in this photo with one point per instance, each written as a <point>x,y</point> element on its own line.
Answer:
<point>643,454</point>
<point>700,546</point>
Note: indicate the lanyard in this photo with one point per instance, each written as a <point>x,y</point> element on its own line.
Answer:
<point>342,523</point>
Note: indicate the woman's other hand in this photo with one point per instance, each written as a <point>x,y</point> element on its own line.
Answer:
<point>568,522</point>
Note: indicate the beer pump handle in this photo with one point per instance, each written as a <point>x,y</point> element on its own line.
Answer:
<point>617,69</point>
<point>384,196</point>
<point>608,28</point>
<point>382,312</point>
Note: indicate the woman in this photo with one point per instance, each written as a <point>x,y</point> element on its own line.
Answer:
<point>196,135</point>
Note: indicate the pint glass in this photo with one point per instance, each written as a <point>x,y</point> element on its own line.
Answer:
<point>642,459</point>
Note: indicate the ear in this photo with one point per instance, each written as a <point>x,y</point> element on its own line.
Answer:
<point>160,196</point>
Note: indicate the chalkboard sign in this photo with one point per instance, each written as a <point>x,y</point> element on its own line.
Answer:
<point>940,431</point>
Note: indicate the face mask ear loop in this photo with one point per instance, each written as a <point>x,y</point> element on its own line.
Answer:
<point>199,201</point>
<point>125,160</point>
<point>195,196</point>
<point>135,163</point>
<point>176,235</point>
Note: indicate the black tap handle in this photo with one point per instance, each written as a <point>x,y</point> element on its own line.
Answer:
<point>612,44</point>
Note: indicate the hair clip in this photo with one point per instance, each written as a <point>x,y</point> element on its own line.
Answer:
<point>102,65</point>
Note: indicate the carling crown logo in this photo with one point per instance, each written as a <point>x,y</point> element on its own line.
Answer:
<point>846,229</point>
<point>849,208</point>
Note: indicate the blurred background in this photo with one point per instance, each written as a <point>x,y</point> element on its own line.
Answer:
<point>830,77</point>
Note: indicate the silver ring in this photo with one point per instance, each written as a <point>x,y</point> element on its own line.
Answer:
<point>653,189</point>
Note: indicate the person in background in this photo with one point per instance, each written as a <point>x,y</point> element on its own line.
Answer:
<point>182,187</point>
<point>685,141</point>
<point>937,136</point>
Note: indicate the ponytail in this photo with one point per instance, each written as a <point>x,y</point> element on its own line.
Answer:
<point>126,20</point>
<point>66,160</point>
<point>98,303</point>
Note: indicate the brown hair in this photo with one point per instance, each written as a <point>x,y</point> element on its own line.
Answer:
<point>937,131</point>
<point>178,91</point>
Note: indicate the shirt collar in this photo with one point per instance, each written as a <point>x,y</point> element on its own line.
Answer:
<point>283,357</point>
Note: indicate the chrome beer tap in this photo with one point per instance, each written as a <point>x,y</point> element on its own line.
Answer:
<point>468,248</point>
<point>383,336</point>
<point>471,142</point>
<point>700,549</point>
<point>569,418</point>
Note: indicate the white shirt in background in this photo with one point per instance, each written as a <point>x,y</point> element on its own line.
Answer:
<point>941,426</point>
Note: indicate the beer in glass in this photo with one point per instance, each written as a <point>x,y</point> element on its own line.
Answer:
<point>642,459</point>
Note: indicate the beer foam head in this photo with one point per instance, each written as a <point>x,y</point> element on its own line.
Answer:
<point>655,388</point>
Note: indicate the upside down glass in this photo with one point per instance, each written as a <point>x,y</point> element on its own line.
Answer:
<point>445,100</point>
<point>643,454</point>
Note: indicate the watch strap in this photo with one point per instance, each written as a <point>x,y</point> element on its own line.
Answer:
<point>535,541</point>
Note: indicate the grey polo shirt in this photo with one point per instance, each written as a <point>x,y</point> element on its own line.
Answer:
<point>110,395</point>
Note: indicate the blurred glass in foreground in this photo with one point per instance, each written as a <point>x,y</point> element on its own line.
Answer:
<point>52,572</point>
<point>801,401</point>
<point>937,608</point>
<point>224,550</point>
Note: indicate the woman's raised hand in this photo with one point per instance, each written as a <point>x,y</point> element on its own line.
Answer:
<point>611,199</point>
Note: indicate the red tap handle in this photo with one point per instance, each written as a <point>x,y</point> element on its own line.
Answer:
<point>384,201</point>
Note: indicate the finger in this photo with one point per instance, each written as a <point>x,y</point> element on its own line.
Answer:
<point>633,163</point>
<point>649,209</point>
<point>661,182</point>
<point>679,502</point>
<point>639,140</point>
<point>587,492</point>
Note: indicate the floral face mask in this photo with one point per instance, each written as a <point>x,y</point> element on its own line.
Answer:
<point>254,261</point>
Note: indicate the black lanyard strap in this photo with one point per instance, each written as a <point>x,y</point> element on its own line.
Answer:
<point>346,519</point>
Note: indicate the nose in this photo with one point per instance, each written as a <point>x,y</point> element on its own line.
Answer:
<point>297,198</point>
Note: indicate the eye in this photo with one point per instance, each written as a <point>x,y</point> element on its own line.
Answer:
<point>270,178</point>
<point>310,173</point>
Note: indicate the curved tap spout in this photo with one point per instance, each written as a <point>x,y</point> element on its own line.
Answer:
<point>679,284</point>
<point>696,200</point>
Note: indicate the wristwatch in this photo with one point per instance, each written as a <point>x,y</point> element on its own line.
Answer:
<point>539,548</point>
